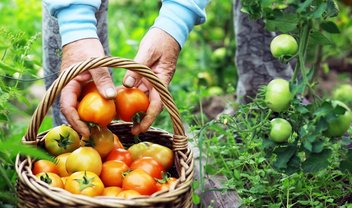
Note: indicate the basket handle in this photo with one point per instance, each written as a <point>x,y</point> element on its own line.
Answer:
<point>179,141</point>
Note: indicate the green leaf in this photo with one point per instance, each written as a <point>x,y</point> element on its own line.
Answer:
<point>282,22</point>
<point>332,9</point>
<point>316,161</point>
<point>307,145</point>
<point>323,110</point>
<point>317,38</point>
<point>284,154</point>
<point>317,146</point>
<point>318,13</point>
<point>195,198</point>
<point>346,164</point>
<point>303,6</point>
<point>330,27</point>
<point>210,169</point>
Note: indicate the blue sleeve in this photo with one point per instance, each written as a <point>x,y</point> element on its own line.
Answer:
<point>76,18</point>
<point>178,17</point>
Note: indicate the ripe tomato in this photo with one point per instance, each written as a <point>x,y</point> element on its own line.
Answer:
<point>149,165</point>
<point>44,166</point>
<point>338,126</point>
<point>101,139</point>
<point>139,181</point>
<point>160,153</point>
<point>127,194</point>
<point>96,109</point>
<point>51,178</point>
<point>278,95</point>
<point>283,46</point>
<point>280,130</point>
<point>112,172</point>
<point>87,88</point>
<point>117,142</point>
<point>64,179</point>
<point>84,182</point>
<point>61,139</point>
<point>137,150</point>
<point>84,159</point>
<point>166,184</point>
<point>111,191</point>
<point>121,155</point>
<point>129,102</point>
<point>61,164</point>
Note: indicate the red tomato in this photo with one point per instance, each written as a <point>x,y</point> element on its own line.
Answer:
<point>120,154</point>
<point>166,184</point>
<point>129,102</point>
<point>149,165</point>
<point>112,172</point>
<point>44,166</point>
<point>139,181</point>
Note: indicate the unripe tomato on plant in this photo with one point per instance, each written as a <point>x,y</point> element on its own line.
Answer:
<point>277,95</point>
<point>338,126</point>
<point>101,139</point>
<point>280,130</point>
<point>139,181</point>
<point>84,159</point>
<point>85,183</point>
<point>96,109</point>
<point>44,166</point>
<point>283,46</point>
<point>50,178</point>
<point>129,102</point>
<point>61,139</point>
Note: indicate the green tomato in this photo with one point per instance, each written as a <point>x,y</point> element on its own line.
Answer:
<point>61,139</point>
<point>343,93</point>
<point>339,126</point>
<point>280,130</point>
<point>283,46</point>
<point>278,95</point>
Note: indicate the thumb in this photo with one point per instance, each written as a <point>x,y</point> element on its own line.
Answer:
<point>104,83</point>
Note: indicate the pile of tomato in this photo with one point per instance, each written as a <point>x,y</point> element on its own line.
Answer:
<point>100,165</point>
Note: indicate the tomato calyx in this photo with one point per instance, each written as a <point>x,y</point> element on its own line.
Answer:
<point>137,118</point>
<point>165,178</point>
<point>64,141</point>
<point>45,178</point>
<point>85,182</point>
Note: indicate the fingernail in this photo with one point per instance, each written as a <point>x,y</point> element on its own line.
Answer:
<point>110,93</point>
<point>129,82</point>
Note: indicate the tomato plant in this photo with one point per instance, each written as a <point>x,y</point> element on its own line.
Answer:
<point>101,139</point>
<point>278,95</point>
<point>96,109</point>
<point>112,172</point>
<point>283,46</point>
<point>121,155</point>
<point>85,183</point>
<point>149,165</point>
<point>84,159</point>
<point>44,166</point>
<point>61,139</point>
<point>51,178</point>
<point>339,125</point>
<point>127,194</point>
<point>129,102</point>
<point>139,181</point>
<point>280,130</point>
<point>111,191</point>
<point>61,164</point>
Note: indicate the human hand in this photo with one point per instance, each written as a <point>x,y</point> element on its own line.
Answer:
<point>75,52</point>
<point>159,51</point>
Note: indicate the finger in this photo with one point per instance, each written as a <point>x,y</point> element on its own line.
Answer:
<point>104,83</point>
<point>154,109</point>
<point>68,105</point>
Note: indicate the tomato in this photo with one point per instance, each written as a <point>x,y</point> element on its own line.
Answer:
<point>121,155</point>
<point>129,102</point>
<point>64,179</point>
<point>85,183</point>
<point>111,191</point>
<point>343,94</point>
<point>160,153</point>
<point>50,178</point>
<point>283,46</point>
<point>338,126</point>
<point>278,95</point>
<point>96,109</point>
<point>84,159</point>
<point>117,142</point>
<point>87,88</point>
<point>112,172</point>
<point>61,139</point>
<point>61,164</point>
<point>280,130</point>
<point>127,194</point>
<point>101,139</point>
<point>137,150</point>
<point>149,165</point>
<point>44,166</point>
<point>139,181</point>
<point>166,184</point>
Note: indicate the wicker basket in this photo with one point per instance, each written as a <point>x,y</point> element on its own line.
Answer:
<point>34,193</point>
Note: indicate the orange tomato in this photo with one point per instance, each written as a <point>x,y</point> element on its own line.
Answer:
<point>149,165</point>
<point>87,88</point>
<point>117,142</point>
<point>61,164</point>
<point>121,155</point>
<point>50,178</point>
<point>139,181</point>
<point>64,179</point>
<point>166,184</point>
<point>112,172</point>
<point>101,139</point>
<point>85,183</point>
<point>44,166</point>
<point>127,194</point>
<point>111,191</point>
<point>129,102</point>
<point>96,109</point>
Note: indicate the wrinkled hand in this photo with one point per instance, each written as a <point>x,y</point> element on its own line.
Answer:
<point>75,52</point>
<point>159,51</point>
